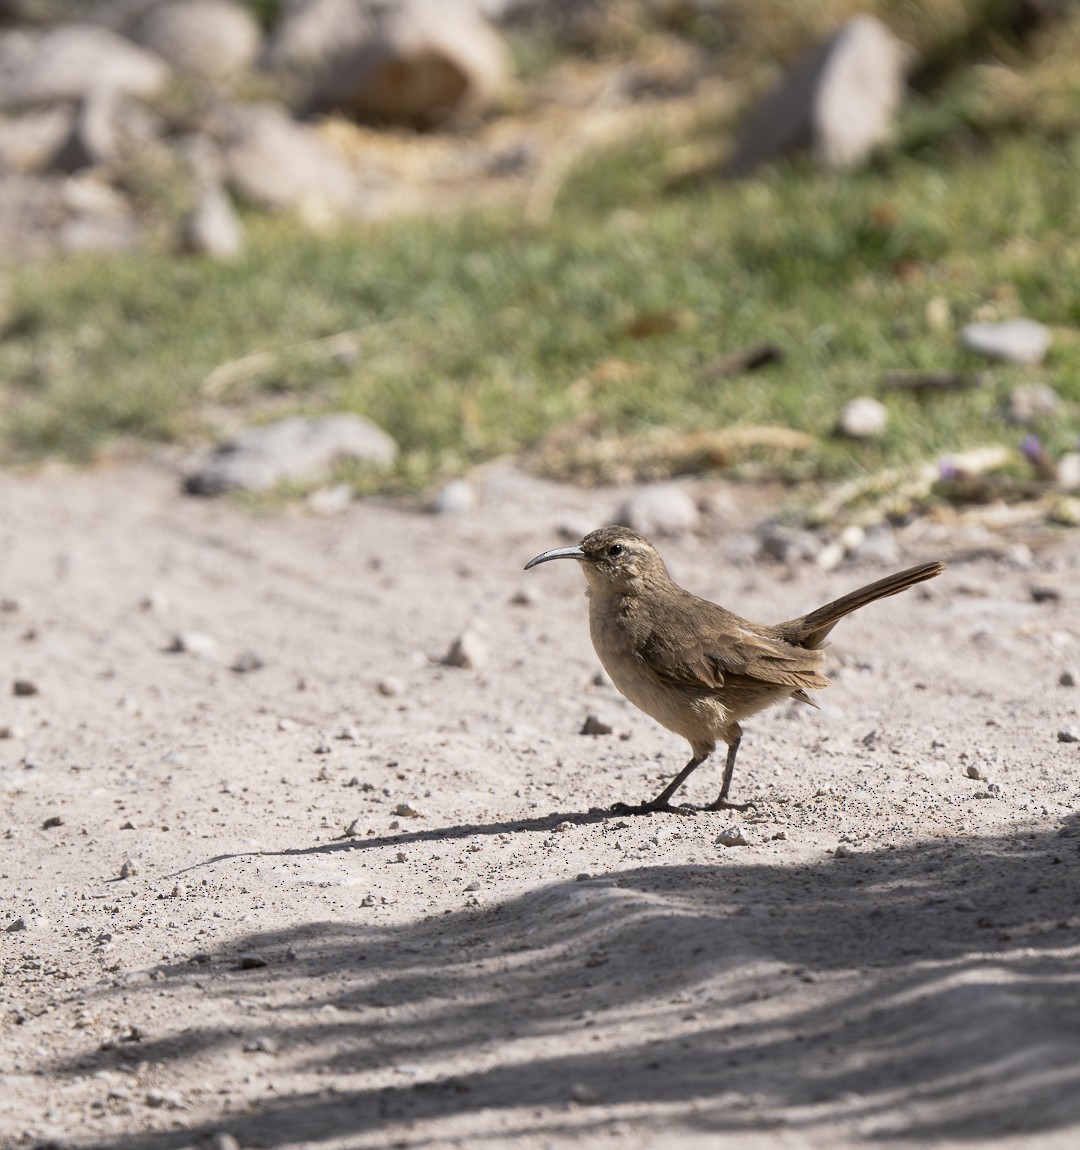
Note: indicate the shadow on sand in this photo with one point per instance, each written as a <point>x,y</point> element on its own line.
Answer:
<point>940,981</point>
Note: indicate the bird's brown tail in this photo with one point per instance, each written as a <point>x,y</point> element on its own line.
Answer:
<point>811,630</point>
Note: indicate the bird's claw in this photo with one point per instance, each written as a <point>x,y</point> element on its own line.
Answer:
<point>724,805</point>
<point>652,808</point>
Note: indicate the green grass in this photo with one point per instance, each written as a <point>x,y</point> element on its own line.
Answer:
<point>495,326</point>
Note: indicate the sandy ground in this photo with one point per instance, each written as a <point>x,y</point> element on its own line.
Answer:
<point>488,959</point>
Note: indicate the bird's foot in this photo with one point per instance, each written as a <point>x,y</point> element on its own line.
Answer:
<point>651,808</point>
<point>724,805</point>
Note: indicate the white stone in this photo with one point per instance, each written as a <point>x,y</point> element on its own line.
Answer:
<point>212,39</point>
<point>455,497</point>
<point>838,101</point>
<point>69,61</point>
<point>468,650</point>
<point>733,836</point>
<point>214,229</point>
<point>293,449</point>
<point>864,418</point>
<point>1023,341</point>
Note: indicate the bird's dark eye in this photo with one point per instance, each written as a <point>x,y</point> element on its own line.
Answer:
<point>615,549</point>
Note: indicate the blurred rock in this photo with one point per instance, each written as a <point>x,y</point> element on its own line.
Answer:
<point>273,161</point>
<point>660,509</point>
<point>1033,401</point>
<point>788,544</point>
<point>468,650</point>
<point>1068,471</point>
<point>1023,341</point>
<point>455,497</point>
<point>295,449</point>
<point>212,39</point>
<point>213,228</point>
<point>92,139</point>
<point>99,218</point>
<point>29,141</point>
<point>838,101</point>
<point>71,60</point>
<point>878,545</point>
<point>864,418</point>
<point>414,62</point>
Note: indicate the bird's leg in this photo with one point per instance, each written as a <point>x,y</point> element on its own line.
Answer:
<point>722,803</point>
<point>662,802</point>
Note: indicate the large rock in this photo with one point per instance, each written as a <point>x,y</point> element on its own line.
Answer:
<point>1021,340</point>
<point>413,62</point>
<point>291,450</point>
<point>67,62</point>
<point>213,39</point>
<point>838,101</point>
<point>273,161</point>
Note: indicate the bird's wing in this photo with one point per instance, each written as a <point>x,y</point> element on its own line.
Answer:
<point>742,654</point>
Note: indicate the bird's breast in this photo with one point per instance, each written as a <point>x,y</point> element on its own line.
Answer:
<point>618,634</point>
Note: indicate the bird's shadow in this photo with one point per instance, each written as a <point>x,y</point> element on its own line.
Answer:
<point>356,842</point>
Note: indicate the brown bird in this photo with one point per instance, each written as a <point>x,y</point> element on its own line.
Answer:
<point>695,667</point>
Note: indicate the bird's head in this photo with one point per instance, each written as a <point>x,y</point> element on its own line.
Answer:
<point>614,559</point>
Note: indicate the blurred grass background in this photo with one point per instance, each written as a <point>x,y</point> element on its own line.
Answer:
<point>478,335</point>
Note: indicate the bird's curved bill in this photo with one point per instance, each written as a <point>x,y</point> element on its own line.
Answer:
<point>556,553</point>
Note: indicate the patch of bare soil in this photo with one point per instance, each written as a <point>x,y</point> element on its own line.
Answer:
<point>372,900</point>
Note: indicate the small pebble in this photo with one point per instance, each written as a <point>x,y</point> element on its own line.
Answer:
<point>564,827</point>
<point>473,886</point>
<point>164,1100</point>
<point>468,650</point>
<point>864,418</point>
<point>584,1095</point>
<point>197,643</point>
<point>287,724</point>
<point>52,821</point>
<point>368,900</point>
<point>129,869</point>
<point>524,597</point>
<point>1069,734</point>
<point>456,497</point>
<point>331,500</point>
<point>352,829</point>
<point>246,662</point>
<point>595,726</point>
<point>732,836</point>
<point>249,960</point>
<point>391,686</point>
<point>843,851</point>
<point>16,924</point>
<point>224,1141</point>
<point>1030,402</point>
<point>964,904</point>
<point>973,771</point>
<point>1069,677</point>
<point>24,688</point>
<point>407,811</point>
<point>348,734</point>
<point>264,1044</point>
